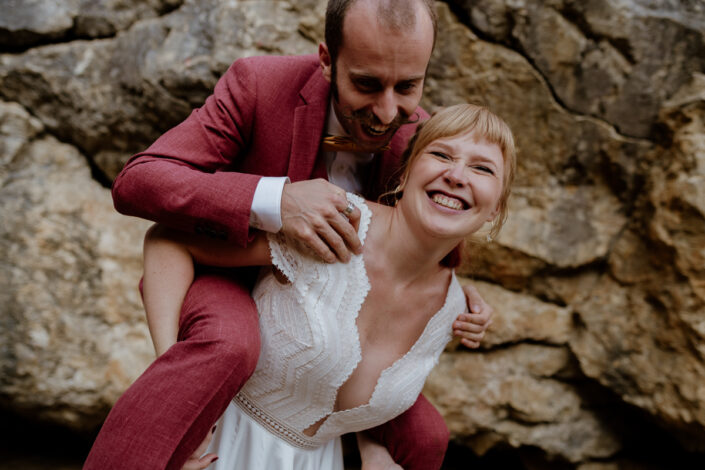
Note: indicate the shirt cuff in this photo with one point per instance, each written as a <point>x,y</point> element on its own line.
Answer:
<point>265,213</point>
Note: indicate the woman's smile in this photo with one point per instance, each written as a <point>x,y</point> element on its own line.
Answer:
<point>449,201</point>
<point>455,185</point>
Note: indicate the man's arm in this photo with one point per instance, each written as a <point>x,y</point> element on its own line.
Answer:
<point>179,180</point>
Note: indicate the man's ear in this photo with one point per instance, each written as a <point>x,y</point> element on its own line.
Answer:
<point>325,61</point>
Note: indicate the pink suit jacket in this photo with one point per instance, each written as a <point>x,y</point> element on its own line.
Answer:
<point>265,118</point>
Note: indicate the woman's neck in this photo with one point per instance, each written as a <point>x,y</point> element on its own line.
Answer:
<point>406,253</point>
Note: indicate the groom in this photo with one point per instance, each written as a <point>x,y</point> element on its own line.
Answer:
<point>251,158</point>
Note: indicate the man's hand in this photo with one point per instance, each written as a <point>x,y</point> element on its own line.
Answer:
<point>198,461</point>
<point>373,455</point>
<point>471,326</point>
<point>312,214</point>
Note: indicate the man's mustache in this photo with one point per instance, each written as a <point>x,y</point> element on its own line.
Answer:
<point>368,118</point>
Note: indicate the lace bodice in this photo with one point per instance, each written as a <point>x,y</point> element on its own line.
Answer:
<point>310,346</point>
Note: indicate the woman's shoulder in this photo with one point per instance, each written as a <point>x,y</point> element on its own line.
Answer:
<point>369,213</point>
<point>376,208</point>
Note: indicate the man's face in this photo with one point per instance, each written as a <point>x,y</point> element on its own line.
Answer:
<point>379,74</point>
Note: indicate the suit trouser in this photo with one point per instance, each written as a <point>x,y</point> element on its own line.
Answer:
<point>162,418</point>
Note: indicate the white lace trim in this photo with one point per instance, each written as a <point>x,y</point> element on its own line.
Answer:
<point>273,425</point>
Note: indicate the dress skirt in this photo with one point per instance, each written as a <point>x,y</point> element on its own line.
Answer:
<point>242,443</point>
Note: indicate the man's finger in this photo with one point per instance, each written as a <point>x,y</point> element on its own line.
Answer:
<point>475,301</point>
<point>320,249</point>
<point>335,242</point>
<point>483,319</point>
<point>347,233</point>
<point>470,336</point>
<point>310,239</point>
<point>347,226</point>
<point>469,327</point>
<point>470,344</point>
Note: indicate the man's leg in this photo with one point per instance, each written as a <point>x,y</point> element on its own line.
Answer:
<point>417,439</point>
<point>163,417</point>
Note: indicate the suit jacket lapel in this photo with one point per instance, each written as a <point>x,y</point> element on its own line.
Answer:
<point>309,120</point>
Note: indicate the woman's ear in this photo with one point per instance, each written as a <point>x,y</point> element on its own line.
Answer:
<point>493,215</point>
<point>402,183</point>
<point>325,61</point>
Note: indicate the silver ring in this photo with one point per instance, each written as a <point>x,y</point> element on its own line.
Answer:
<point>349,209</point>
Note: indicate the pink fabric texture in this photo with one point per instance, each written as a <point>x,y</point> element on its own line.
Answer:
<point>161,419</point>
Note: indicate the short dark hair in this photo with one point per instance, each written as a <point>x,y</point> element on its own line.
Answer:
<point>335,16</point>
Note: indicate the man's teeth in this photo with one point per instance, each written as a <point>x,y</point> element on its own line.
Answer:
<point>377,130</point>
<point>446,201</point>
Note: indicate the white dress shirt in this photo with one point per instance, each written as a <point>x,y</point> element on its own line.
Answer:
<point>344,169</point>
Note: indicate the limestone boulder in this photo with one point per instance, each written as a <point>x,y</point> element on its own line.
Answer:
<point>522,318</point>
<point>577,177</point>
<point>30,23</point>
<point>113,97</point>
<point>522,391</point>
<point>616,60</point>
<point>641,331</point>
<point>72,334</point>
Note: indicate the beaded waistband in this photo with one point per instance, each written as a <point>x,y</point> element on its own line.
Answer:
<point>291,436</point>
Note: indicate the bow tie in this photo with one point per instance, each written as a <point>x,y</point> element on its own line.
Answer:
<point>341,143</point>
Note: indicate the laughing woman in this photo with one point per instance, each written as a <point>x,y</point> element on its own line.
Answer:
<point>346,347</point>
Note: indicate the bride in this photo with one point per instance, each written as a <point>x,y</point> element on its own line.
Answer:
<point>346,347</point>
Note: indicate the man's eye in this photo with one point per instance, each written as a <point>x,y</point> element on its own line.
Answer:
<point>367,85</point>
<point>405,88</point>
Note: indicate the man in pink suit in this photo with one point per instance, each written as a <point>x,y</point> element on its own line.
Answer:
<point>219,173</point>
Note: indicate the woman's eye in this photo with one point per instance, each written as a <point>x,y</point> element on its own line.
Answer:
<point>484,169</point>
<point>440,155</point>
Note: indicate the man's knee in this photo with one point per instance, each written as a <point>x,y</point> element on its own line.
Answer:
<point>430,437</point>
<point>425,437</point>
<point>239,352</point>
<point>435,439</point>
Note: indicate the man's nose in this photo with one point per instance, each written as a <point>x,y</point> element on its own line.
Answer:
<point>385,107</point>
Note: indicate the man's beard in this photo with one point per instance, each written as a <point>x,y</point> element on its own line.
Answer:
<point>367,118</point>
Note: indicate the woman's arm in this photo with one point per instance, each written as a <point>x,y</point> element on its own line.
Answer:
<point>168,273</point>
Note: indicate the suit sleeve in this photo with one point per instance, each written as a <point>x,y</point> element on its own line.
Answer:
<point>179,180</point>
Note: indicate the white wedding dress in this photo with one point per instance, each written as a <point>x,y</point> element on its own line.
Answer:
<point>310,346</point>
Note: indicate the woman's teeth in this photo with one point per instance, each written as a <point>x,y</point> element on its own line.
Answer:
<point>446,201</point>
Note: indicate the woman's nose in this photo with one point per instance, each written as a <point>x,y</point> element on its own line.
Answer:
<point>456,174</point>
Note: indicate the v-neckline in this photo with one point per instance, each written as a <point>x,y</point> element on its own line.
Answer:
<point>365,220</point>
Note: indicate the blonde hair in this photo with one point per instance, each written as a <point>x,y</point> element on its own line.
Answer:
<point>463,119</point>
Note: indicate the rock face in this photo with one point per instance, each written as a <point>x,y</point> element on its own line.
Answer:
<point>72,333</point>
<point>597,280</point>
<point>29,23</point>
